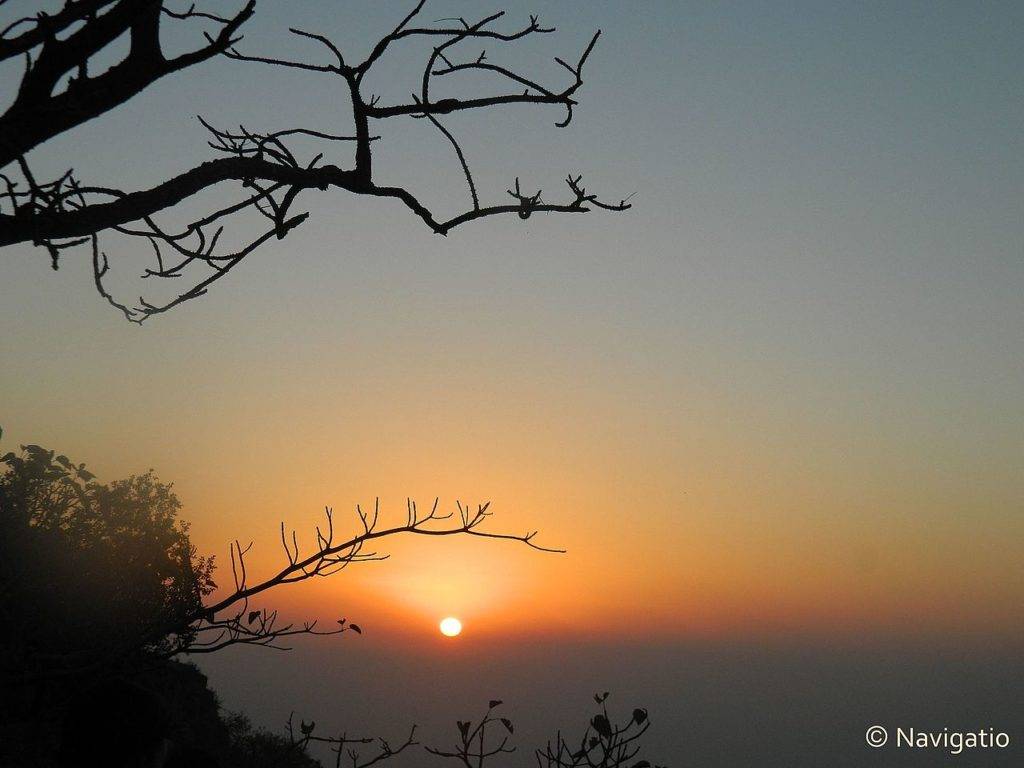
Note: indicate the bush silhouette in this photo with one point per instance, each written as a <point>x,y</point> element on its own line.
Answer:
<point>93,574</point>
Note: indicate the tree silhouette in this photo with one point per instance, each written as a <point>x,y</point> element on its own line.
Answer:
<point>58,92</point>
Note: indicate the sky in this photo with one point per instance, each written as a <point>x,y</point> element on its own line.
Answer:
<point>774,405</point>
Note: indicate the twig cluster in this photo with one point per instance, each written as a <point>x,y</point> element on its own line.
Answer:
<point>474,748</point>
<point>604,743</point>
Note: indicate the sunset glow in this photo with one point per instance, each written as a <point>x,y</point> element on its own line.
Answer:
<point>450,627</point>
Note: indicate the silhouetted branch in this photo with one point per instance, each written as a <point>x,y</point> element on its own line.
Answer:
<point>41,111</point>
<point>64,213</point>
<point>462,158</point>
<point>211,630</point>
<point>343,746</point>
<point>473,748</point>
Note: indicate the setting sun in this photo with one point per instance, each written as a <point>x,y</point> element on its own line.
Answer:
<point>450,627</point>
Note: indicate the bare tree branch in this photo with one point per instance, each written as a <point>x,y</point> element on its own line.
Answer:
<point>231,621</point>
<point>44,26</point>
<point>60,214</point>
<point>39,113</point>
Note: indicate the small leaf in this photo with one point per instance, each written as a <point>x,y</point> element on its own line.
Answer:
<point>639,716</point>
<point>341,622</point>
<point>494,703</point>
<point>253,615</point>
<point>463,727</point>
<point>602,726</point>
<point>508,724</point>
<point>307,729</point>
<point>355,628</point>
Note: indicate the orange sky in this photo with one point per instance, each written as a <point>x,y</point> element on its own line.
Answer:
<point>780,396</point>
<point>685,511</point>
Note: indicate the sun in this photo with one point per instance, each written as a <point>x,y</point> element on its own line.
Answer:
<point>450,626</point>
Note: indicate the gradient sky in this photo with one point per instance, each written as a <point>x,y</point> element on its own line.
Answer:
<point>782,396</point>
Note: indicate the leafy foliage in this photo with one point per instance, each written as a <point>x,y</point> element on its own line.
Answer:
<point>91,573</point>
